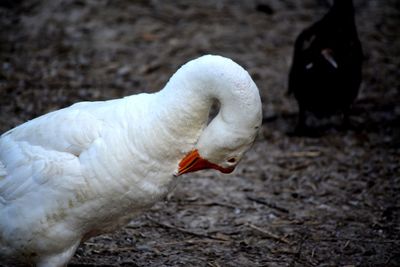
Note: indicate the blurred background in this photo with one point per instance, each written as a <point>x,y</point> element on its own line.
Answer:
<point>293,201</point>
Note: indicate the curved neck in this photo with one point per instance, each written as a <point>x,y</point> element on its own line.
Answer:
<point>185,101</point>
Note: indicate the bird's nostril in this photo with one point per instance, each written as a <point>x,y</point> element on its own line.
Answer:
<point>232,160</point>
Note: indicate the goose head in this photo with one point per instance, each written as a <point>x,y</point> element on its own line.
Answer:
<point>218,149</point>
<point>224,141</point>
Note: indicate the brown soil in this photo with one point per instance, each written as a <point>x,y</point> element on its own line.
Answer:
<point>332,200</point>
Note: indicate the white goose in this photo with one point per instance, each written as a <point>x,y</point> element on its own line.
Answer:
<point>87,169</point>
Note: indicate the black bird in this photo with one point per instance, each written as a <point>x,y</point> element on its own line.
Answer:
<point>326,71</point>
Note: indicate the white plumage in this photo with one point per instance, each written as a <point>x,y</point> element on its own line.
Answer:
<point>88,168</point>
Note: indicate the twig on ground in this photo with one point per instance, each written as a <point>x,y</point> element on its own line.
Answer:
<point>215,203</point>
<point>362,240</point>
<point>297,255</point>
<point>267,203</point>
<point>268,233</point>
<point>302,154</point>
<point>213,264</point>
<point>191,241</point>
<point>169,226</point>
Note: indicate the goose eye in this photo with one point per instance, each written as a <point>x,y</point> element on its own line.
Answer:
<point>232,160</point>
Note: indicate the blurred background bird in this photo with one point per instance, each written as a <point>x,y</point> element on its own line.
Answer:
<point>326,70</point>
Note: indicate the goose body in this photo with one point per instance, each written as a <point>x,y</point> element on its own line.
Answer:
<point>89,168</point>
<point>326,71</point>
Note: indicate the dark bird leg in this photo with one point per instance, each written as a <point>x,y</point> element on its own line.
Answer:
<point>301,123</point>
<point>346,119</point>
<point>301,127</point>
<point>346,123</point>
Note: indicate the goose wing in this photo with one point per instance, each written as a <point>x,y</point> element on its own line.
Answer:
<point>45,151</point>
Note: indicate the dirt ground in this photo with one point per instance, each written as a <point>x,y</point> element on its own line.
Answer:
<point>331,200</point>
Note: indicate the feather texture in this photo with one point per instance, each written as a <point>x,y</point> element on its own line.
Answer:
<point>88,168</point>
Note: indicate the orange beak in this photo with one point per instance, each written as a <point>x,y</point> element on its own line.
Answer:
<point>194,162</point>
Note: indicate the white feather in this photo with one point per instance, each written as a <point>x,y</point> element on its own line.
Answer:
<point>89,168</point>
